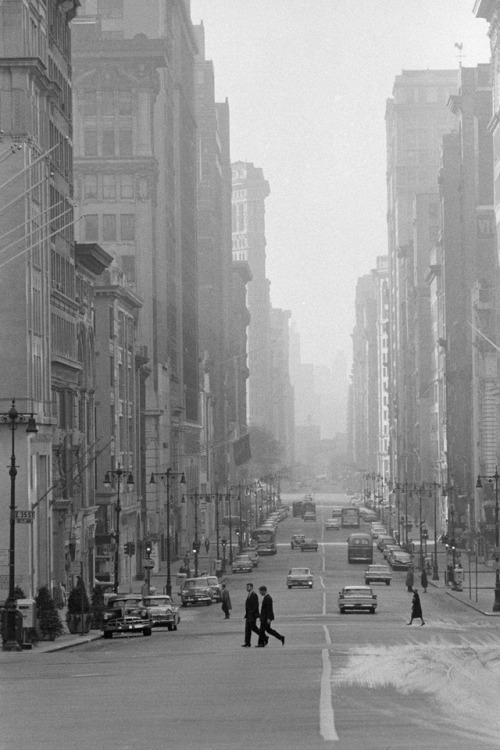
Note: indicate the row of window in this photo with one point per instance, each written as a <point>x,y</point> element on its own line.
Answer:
<point>107,187</point>
<point>109,227</point>
<point>104,103</point>
<point>108,140</point>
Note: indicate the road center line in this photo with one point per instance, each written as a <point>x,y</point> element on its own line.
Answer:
<point>326,716</point>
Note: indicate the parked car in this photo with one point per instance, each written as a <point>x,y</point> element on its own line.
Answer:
<point>242,564</point>
<point>309,515</point>
<point>196,591</point>
<point>378,574</point>
<point>332,523</point>
<point>389,549</point>
<point>162,610</point>
<point>309,544</point>
<point>377,530</point>
<point>367,514</point>
<point>357,599</point>
<point>300,577</point>
<point>400,560</point>
<point>215,588</point>
<point>253,555</point>
<point>383,540</point>
<point>127,618</point>
<point>297,540</point>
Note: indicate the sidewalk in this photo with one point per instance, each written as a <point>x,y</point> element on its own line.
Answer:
<point>477,587</point>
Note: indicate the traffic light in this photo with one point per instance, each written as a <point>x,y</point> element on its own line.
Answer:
<point>126,548</point>
<point>131,548</point>
<point>149,547</point>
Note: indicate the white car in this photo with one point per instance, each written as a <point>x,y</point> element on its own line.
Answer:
<point>332,523</point>
<point>162,610</point>
<point>300,577</point>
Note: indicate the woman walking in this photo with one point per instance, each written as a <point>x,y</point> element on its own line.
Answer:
<point>416,609</point>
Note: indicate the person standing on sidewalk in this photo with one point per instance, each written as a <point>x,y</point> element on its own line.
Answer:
<point>226,601</point>
<point>251,615</point>
<point>423,580</point>
<point>266,618</point>
<point>409,580</point>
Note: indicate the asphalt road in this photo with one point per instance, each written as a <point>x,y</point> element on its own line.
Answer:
<point>353,682</point>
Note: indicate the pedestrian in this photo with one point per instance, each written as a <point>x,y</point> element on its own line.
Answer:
<point>409,580</point>
<point>226,601</point>
<point>251,615</point>
<point>62,594</point>
<point>423,580</point>
<point>266,618</point>
<point>416,609</point>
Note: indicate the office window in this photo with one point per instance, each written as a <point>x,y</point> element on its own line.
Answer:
<point>91,228</point>
<point>90,141</point>
<point>127,227</point>
<point>128,266</point>
<point>108,142</point>
<point>89,103</point>
<point>108,187</point>
<point>109,228</point>
<point>126,186</point>
<point>90,186</point>
<point>124,103</point>
<point>125,142</point>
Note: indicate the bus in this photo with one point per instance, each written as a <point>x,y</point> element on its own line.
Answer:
<point>350,517</point>
<point>308,506</point>
<point>360,548</point>
<point>265,539</point>
<point>297,508</point>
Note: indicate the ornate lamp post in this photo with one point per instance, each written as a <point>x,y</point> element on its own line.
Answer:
<point>435,569</point>
<point>118,474</point>
<point>494,478</point>
<point>166,478</point>
<point>224,543</point>
<point>13,418</point>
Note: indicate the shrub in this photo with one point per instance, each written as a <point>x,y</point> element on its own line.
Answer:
<point>49,622</point>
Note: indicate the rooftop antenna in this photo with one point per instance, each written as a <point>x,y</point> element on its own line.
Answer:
<point>460,56</point>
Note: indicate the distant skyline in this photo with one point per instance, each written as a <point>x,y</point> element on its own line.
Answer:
<point>307,84</point>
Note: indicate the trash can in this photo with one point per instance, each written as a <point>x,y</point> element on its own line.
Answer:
<point>458,577</point>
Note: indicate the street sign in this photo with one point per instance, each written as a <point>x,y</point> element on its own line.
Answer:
<point>25,516</point>
<point>148,563</point>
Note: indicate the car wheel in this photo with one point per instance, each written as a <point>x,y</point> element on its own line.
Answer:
<point>387,583</point>
<point>372,611</point>
<point>169,626</point>
<point>289,587</point>
<point>209,603</point>
<point>183,604</point>
<point>147,631</point>
<point>108,634</point>
<point>175,627</point>
<point>342,611</point>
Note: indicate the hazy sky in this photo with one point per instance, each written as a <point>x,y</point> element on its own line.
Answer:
<point>307,83</point>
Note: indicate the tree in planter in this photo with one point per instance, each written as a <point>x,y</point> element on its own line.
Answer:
<point>78,616</point>
<point>48,620</point>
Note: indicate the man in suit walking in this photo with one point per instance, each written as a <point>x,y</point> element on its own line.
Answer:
<point>251,615</point>
<point>266,618</point>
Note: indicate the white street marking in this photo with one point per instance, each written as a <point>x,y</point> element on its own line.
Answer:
<point>326,717</point>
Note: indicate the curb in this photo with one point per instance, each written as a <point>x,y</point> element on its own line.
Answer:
<point>472,605</point>
<point>71,644</point>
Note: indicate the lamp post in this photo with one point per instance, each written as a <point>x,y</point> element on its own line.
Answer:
<point>494,478</point>
<point>228,496</point>
<point>119,474</point>
<point>13,418</point>
<point>223,542</point>
<point>435,569</point>
<point>166,478</point>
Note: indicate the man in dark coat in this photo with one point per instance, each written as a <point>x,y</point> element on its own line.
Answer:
<point>416,609</point>
<point>266,618</point>
<point>251,615</point>
<point>226,601</point>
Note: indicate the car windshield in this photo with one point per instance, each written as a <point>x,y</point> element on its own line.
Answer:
<point>213,580</point>
<point>195,583</point>
<point>299,571</point>
<point>157,601</point>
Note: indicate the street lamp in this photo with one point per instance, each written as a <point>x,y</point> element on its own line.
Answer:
<point>494,478</point>
<point>13,418</point>
<point>435,569</point>
<point>223,542</point>
<point>119,474</point>
<point>166,478</point>
<point>228,497</point>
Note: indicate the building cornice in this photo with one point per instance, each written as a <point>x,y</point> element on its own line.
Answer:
<point>92,257</point>
<point>124,294</point>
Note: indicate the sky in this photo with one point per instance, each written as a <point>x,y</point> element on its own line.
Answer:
<point>307,83</point>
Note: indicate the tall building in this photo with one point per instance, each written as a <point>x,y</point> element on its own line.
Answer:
<point>40,365</point>
<point>250,190</point>
<point>380,274</point>
<point>417,117</point>
<point>136,161</point>
<point>283,413</point>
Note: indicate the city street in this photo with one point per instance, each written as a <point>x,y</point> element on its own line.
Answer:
<point>349,682</point>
